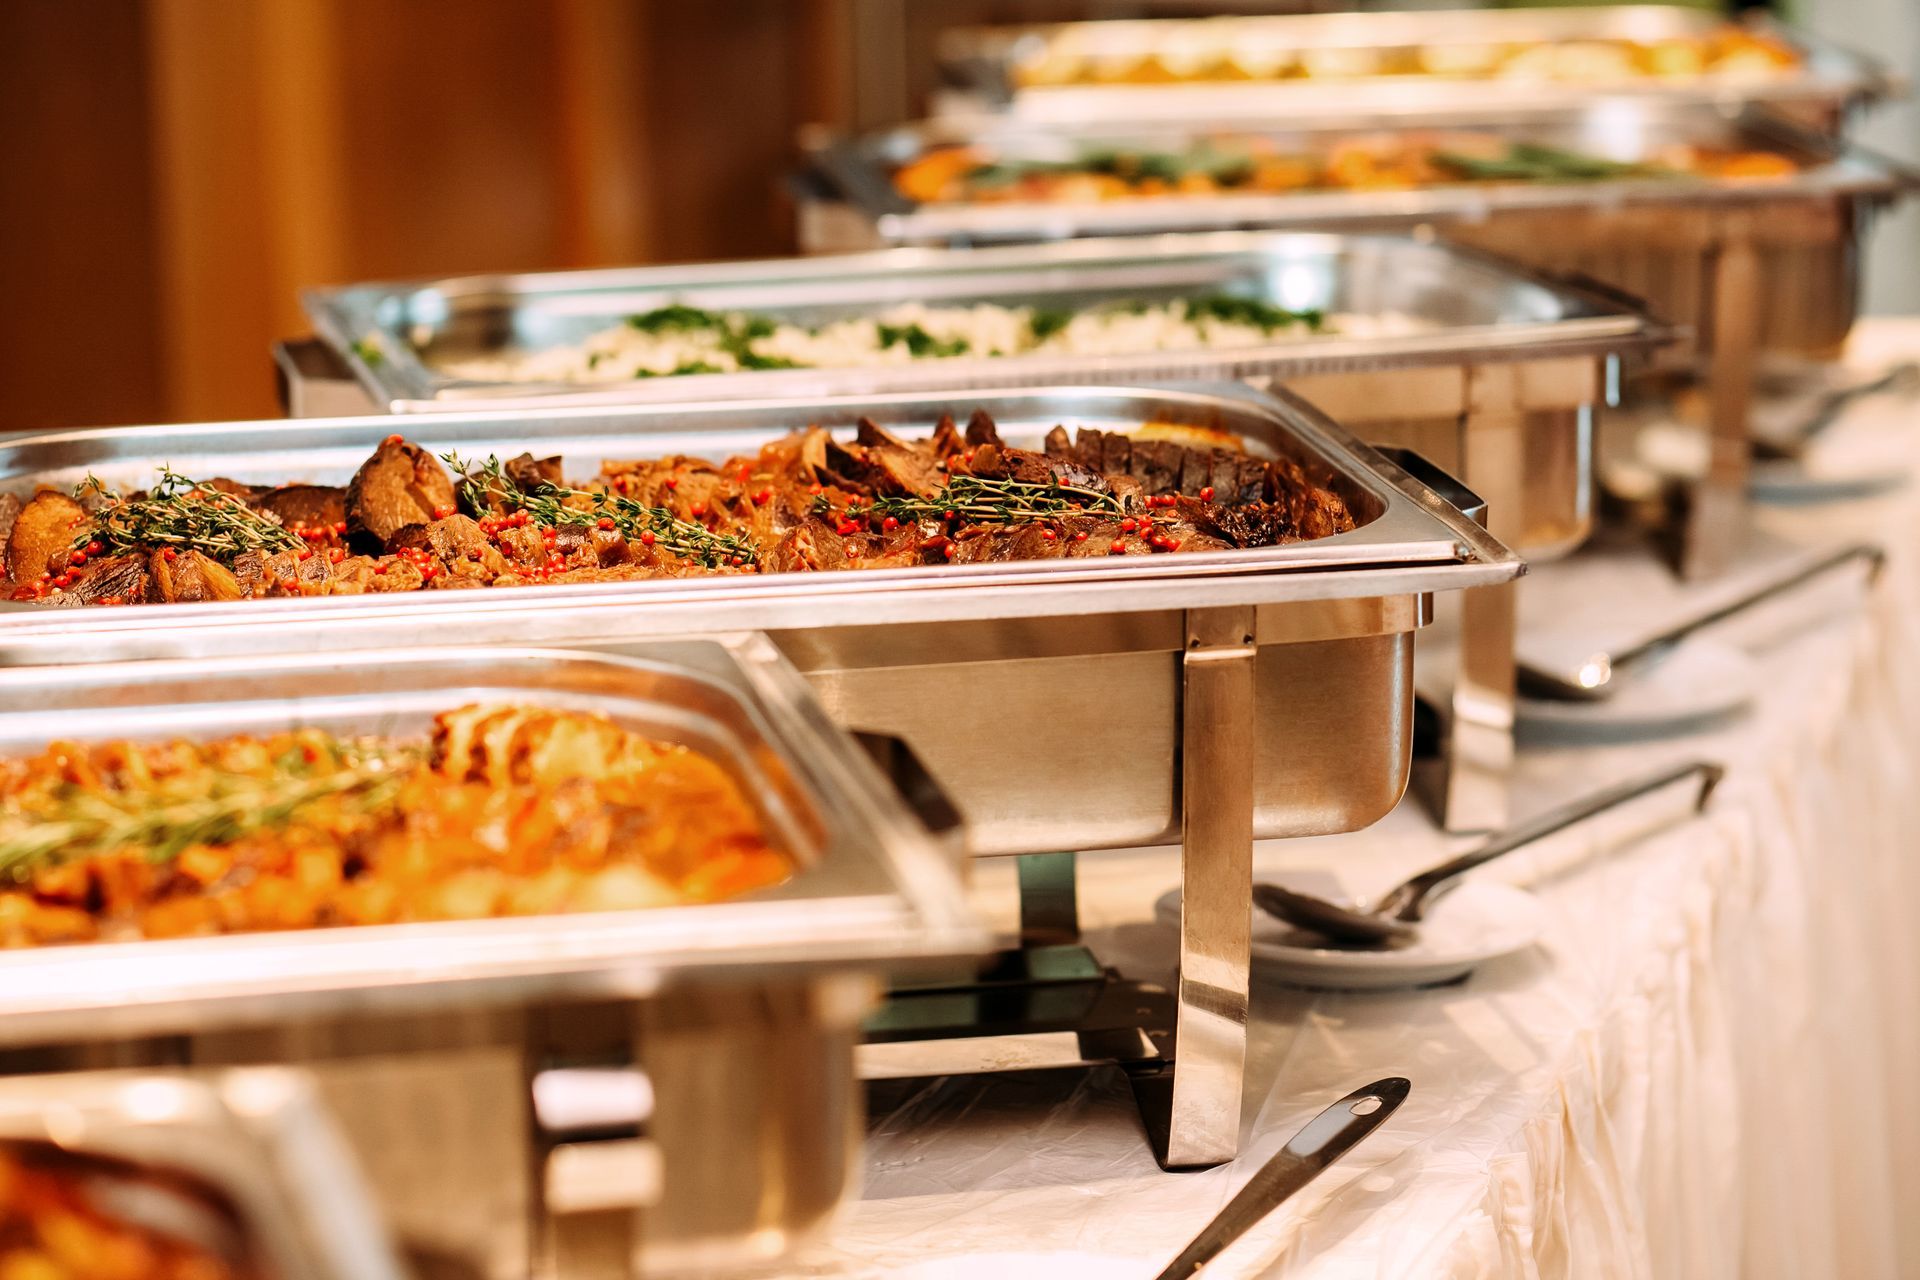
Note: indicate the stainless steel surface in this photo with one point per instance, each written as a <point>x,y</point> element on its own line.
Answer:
<point>1392,919</point>
<point>1468,309</point>
<point>872,889</point>
<point>980,62</point>
<point>957,662</point>
<point>1323,1140</point>
<point>1407,541</point>
<point>1465,783</point>
<point>1617,129</point>
<point>1047,698</point>
<point>256,1139</point>
<point>1217,751</point>
<point>1593,676</point>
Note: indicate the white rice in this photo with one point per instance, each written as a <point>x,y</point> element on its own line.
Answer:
<point>624,352</point>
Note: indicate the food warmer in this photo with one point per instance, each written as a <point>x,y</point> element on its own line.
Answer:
<point>486,1069</point>
<point>1696,249</point>
<point>1204,698</point>
<point>1492,372</point>
<point>1413,64</point>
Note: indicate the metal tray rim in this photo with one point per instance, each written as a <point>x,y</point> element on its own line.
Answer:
<point>1414,531</point>
<point>346,316</point>
<point>975,58</point>
<point>852,165</point>
<point>265,974</point>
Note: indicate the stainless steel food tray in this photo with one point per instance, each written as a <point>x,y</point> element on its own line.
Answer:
<point>433,1037</point>
<point>258,1140</point>
<point>1624,129</point>
<point>980,62</point>
<point>1407,541</point>
<point>871,889</point>
<point>1469,308</point>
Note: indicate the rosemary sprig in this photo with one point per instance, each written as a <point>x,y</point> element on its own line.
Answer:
<point>548,504</point>
<point>201,807</point>
<point>986,500</point>
<point>182,512</point>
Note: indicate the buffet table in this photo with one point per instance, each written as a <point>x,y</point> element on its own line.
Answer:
<point>1703,1070</point>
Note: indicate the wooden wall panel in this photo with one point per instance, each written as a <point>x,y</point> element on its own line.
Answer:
<point>78,332</point>
<point>448,121</point>
<point>178,170</point>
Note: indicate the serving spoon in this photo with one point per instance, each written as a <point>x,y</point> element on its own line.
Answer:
<point>1326,1138</point>
<point>1394,919</point>
<point>1597,675</point>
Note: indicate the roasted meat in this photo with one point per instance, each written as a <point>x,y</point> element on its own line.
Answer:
<point>804,503</point>
<point>401,484</point>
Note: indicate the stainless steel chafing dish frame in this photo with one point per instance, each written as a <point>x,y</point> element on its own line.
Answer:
<point>1477,308</point>
<point>1500,391</point>
<point>258,1139</point>
<point>861,168</point>
<point>960,662</point>
<point>697,993</point>
<point>1829,86</point>
<point>1696,249</point>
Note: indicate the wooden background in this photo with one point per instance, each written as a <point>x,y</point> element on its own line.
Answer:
<point>176,171</point>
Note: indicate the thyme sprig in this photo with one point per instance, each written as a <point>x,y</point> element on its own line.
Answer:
<point>199,807</point>
<point>552,505</point>
<point>182,512</point>
<point>986,500</point>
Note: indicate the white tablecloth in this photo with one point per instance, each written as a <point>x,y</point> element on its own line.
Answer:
<point>1708,1069</point>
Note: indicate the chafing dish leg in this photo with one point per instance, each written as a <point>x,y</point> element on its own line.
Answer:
<point>1049,900</point>
<point>1216,878</point>
<point>762,1073</point>
<point>1468,788</point>
<point>1717,513</point>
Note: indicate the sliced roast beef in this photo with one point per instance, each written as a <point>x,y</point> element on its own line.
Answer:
<point>401,484</point>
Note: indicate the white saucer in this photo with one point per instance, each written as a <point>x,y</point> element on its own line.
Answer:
<point>1481,920</point>
<point>1700,680</point>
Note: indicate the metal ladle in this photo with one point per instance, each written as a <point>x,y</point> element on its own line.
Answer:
<point>1393,919</point>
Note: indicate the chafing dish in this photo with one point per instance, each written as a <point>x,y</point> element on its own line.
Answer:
<point>699,996</point>
<point>1206,698</point>
<point>1471,321</point>
<point>249,1157</point>
<point>1696,250</point>
<point>987,65</point>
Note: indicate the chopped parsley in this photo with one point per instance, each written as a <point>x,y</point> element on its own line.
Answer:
<point>1231,309</point>
<point>919,342</point>
<point>1044,322</point>
<point>676,317</point>
<point>751,359</point>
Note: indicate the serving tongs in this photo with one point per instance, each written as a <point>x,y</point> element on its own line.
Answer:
<point>1395,918</point>
<point>1326,1138</point>
<point>1596,675</point>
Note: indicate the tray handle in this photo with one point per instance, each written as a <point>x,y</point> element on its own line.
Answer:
<point>1449,490</point>
<point>918,789</point>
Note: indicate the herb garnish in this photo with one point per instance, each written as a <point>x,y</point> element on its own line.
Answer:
<point>1232,309</point>
<point>985,500</point>
<point>181,512</point>
<point>211,806</point>
<point>549,504</point>
<point>676,317</point>
<point>919,342</point>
